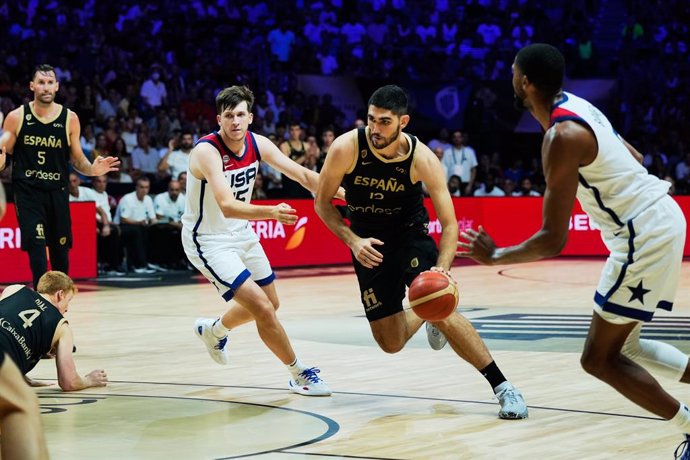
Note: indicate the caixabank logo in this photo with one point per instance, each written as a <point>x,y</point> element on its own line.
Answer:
<point>272,230</point>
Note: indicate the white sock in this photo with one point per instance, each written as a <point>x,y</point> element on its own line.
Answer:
<point>658,357</point>
<point>219,330</point>
<point>682,419</point>
<point>296,367</point>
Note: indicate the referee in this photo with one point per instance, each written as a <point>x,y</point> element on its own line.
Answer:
<point>43,137</point>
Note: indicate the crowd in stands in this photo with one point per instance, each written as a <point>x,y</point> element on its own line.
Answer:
<point>142,76</point>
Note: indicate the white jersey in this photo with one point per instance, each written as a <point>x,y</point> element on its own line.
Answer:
<point>614,188</point>
<point>202,215</point>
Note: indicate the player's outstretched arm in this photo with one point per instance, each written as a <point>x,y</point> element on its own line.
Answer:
<point>68,377</point>
<point>100,166</point>
<point>274,157</point>
<point>565,147</point>
<point>307,178</point>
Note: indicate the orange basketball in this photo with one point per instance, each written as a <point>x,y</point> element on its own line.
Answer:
<point>433,296</point>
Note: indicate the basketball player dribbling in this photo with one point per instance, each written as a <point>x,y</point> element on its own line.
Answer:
<point>383,170</point>
<point>641,225</point>
<point>220,243</point>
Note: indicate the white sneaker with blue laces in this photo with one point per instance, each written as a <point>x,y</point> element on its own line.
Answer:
<point>217,347</point>
<point>308,383</point>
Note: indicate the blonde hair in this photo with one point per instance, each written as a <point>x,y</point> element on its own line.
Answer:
<point>54,281</point>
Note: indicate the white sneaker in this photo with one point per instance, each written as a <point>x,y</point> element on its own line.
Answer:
<point>308,383</point>
<point>203,327</point>
<point>144,271</point>
<point>435,337</point>
<point>156,267</point>
<point>513,405</point>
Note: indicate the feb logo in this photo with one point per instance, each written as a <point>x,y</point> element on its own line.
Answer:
<point>298,236</point>
<point>448,102</point>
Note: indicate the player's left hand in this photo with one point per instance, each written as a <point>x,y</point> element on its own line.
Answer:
<point>478,245</point>
<point>444,271</point>
<point>103,165</point>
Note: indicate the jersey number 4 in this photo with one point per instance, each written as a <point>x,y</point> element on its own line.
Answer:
<point>29,316</point>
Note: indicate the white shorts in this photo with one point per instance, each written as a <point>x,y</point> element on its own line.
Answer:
<point>643,269</point>
<point>227,260</point>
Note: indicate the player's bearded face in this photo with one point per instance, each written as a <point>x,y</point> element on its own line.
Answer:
<point>44,86</point>
<point>380,141</point>
<point>519,102</point>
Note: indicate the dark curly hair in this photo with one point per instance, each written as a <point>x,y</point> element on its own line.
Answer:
<point>544,66</point>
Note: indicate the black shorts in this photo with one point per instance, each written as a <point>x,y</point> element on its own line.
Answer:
<point>405,255</point>
<point>43,215</point>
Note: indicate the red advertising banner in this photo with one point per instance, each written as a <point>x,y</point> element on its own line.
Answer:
<point>309,242</point>
<point>14,263</point>
<point>509,220</point>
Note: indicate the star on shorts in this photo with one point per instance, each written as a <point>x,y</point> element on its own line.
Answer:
<point>638,292</point>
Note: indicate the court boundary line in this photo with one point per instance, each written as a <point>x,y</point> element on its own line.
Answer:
<point>353,393</point>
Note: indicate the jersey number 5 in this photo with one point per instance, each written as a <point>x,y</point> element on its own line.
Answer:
<point>29,316</point>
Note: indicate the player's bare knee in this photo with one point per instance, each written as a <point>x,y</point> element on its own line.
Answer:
<point>594,364</point>
<point>265,313</point>
<point>389,345</point>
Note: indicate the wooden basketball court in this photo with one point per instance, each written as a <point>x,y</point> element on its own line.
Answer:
<point>168,400</point>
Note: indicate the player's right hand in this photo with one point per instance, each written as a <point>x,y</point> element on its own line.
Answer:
<point>284,213</point>
<point>97,378</point>
<point>364,252</point>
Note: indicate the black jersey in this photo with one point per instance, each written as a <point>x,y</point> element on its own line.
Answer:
<point>42,151</point>
<point>380,192</point>
<point>27,326</point>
